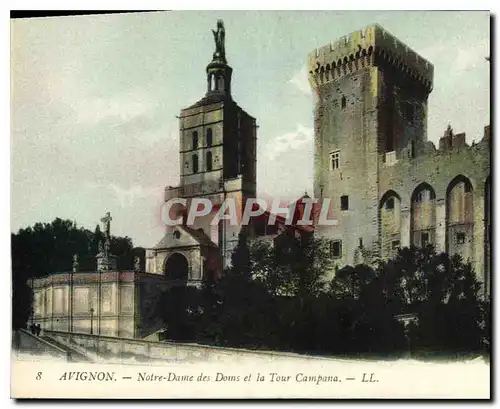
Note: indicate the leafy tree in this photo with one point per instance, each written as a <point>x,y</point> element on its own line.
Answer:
<point>367,308</point>
<point>444,292</point>
<point>275,295</point>
<point>47,248</point>
<point>179,308</point>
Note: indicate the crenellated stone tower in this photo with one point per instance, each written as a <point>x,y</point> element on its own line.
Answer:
<point>370,109</point>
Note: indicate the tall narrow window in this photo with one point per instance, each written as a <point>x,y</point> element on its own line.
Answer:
<point>195,163</point>
<point>334,160</point>
<point>343,102</point>
<point>336,248</point>
<point>209,161</point>
<point>412,149</point>
<point>209,137</point>
<point>195,140</point>
<point>344,202</point>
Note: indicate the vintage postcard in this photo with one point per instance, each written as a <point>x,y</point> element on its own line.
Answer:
<point>258,204</point>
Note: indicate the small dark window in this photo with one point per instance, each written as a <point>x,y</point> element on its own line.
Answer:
<point>209,161</point>
<point>336,248</point>
<point>389,205</point>
<point>395,244</point>
<point>460,238</point>
<point>343,102</point>
<point>177,234</point>
<point>195,140</point>
<point>412,149</point>
<point>360,243</point>
<point>425,239</point>
<point>344,203</point>
<point>195,163</point>
<point>209,137</point>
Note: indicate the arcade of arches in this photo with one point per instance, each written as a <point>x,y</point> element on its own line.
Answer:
<point>447,218</point>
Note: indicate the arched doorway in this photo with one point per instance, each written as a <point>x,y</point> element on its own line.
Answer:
<point>177,268</point>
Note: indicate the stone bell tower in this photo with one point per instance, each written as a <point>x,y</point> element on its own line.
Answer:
<point>217,150</point>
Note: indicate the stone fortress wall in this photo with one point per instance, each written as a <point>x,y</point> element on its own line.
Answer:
<point>388,185</point>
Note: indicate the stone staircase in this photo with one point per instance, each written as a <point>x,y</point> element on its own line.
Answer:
<point>72,353</point>
<point>27,343</point>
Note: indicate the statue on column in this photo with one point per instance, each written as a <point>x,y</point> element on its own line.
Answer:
<point>137,264</point>
<point>219,37</point>
<point>75,263</point>
<point>105,260</point>
<point>107,224</point>
<point>106,220</point>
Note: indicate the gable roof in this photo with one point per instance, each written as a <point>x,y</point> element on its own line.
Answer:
<point>188,237</point>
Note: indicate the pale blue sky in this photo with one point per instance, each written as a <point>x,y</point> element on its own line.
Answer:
<point>95,99</point>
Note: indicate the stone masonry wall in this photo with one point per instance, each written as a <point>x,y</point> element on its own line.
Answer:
<point>439,169</point>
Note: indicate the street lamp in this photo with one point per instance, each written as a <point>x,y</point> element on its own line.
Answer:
<point>91,321</point>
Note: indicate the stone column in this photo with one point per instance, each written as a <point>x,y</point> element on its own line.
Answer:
<point>405,227</point>
<point>479,233</point>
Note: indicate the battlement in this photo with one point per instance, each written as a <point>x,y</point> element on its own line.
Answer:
<point>450,140</point>
<point>370,46</point>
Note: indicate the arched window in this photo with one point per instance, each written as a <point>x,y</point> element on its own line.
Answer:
<point>195,140</point>
<point>460,217</point>
<point>209,137</point>
<point>423,216</point>
<point>220,83</point>
<point>390,223</point>
<point>209,161</point>
<point>195,163</point>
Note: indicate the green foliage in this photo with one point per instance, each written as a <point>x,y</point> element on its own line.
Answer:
<point>281,295</point>
<point>47,248</point>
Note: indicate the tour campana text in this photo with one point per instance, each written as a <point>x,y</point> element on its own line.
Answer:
<point>269,377</point>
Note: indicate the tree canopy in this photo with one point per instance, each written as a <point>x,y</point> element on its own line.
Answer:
<point>283,295</point>
<point>46,248</point>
